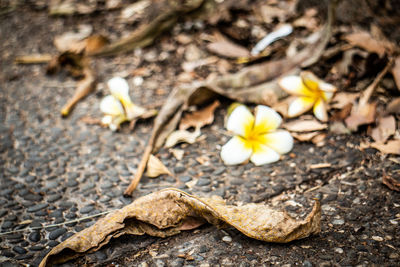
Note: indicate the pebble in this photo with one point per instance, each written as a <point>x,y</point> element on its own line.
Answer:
<point>57,233</point>
<point>53,243</point>
<point>183,178</point>
<point>19,250</point>
<point>86,209</point>
<point>307,263</point>
<point>339,250</point>
<point>38,207</point>
<point>34,236</point>
<point>338,222</point>
<point>179,169</point>
<point>227,239</point>
<point>203,182</point>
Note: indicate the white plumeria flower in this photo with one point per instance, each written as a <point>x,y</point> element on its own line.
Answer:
<point>256,138</point>
<point>310,92</point>
<point>115,113</point>
<point>118,106</point>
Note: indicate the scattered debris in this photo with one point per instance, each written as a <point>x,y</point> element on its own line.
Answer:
<point>386,127</point>
<point>302,125</point>
<point>391,147</point>
<point>169,211</point>
<point>156,168</point>
<point>282,31</point>
<point>392,182</point>
<point>180,136</point>
<point>199,118</point>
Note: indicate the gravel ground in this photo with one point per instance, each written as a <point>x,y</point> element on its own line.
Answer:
<point>54,171</point>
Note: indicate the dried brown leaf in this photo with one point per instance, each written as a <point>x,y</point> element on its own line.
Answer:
<point>33,59</point>
<point>342,99</point>
<point>391,182</point>
<point>199,118</point>
<point>304,137</point>
<point>73,41</point>
<point>228,49</point>
<point>391,147</point>
<point>361,115</point>
<point>304,125</point>
<point>166,212</point>
<point>156,168</point>
<point>180,136</point>
<point>396,72</point>
<point>394,106</point>
<point>365,41</point>
<point>385,128</point>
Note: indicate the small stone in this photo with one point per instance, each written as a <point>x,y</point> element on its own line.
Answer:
<point>185,178</point>
<point>179,169</point>
<point>36,248</point>
<point>34,236</point>
<point>203,182</point>
<point>7,225</point>
<point>86,209</point>
<point>57,233</point>
<point>53,198</point>
<point>227,239</point>
<point>19,250</point>
<point>377,238</point>
<point>339,250</point>
<point>53,243</point>
<point>38,207</point>
<point>338,222</point>
<point>306,263</point>
<point>203,249</point>
<point>106,185</point>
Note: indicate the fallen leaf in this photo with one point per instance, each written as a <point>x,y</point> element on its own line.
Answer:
<point>199,118</point>
<point>165,212</point>
<point>391,147</point>
<point>319,139</point>
<point>70,7</point>
<point>180,136</point>
<point>394,106</point>
<point>365,41</point>
<point>156,168</point>
<point>304,125</point>
<point>396,72</point>
<point>228,49</point>
<point>391,182</point>
<point>361,115</point>
<point>304,137</point>
<point>178,153</point>
<point>364,112</point>
<point>385,128</point>
<point>71,41</point>
<point>308,20</point>
<point>342,99</point>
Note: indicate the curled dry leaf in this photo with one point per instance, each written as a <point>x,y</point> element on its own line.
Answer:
<point>342,99</point>
<point>385,128</point>
<point>391,182</point>
<point>396,72</point>
<point>391,147</point>
<point>365,41</point>
<point>305,126</point>
<point>228,49</point>
<point>156,168</point>
<point>180,136</point>
<point>72,41</point>
<point>167,212</point>
<point>199,118</point>
<point>394,106</point>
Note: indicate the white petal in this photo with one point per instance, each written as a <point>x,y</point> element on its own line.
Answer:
<point>110,105</point>
<point>320,110</point>
<point>281,141</point>
<point>327,87</point>
<point>327,96</point>
<point>118,85</point>
<point>120,89</point>
<point>294,85</point>
<point>300,105</point>
<point>240,121</point>
<point>263,155</point>
<point>235,151</point>
<point>106,120</point>
<point>266,120</point>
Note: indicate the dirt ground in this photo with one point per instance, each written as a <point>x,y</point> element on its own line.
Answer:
<point>55,170</point>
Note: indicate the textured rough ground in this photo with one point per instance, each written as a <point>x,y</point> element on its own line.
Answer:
<point>55,170</point>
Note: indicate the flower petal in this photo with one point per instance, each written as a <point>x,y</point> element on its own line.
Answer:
<point>120,89</point>
<point>320,110</point>
<point>281,141</point>
<point>266,120</point>
<point>300,105</point>
<point>240,121</point>
<point>327,96</point>
<point>294,85</point>
<point>263,154</point>
<point>110,105</point>
<point>235,151</point>
<point>327,87</point>
<point>311,81</point>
